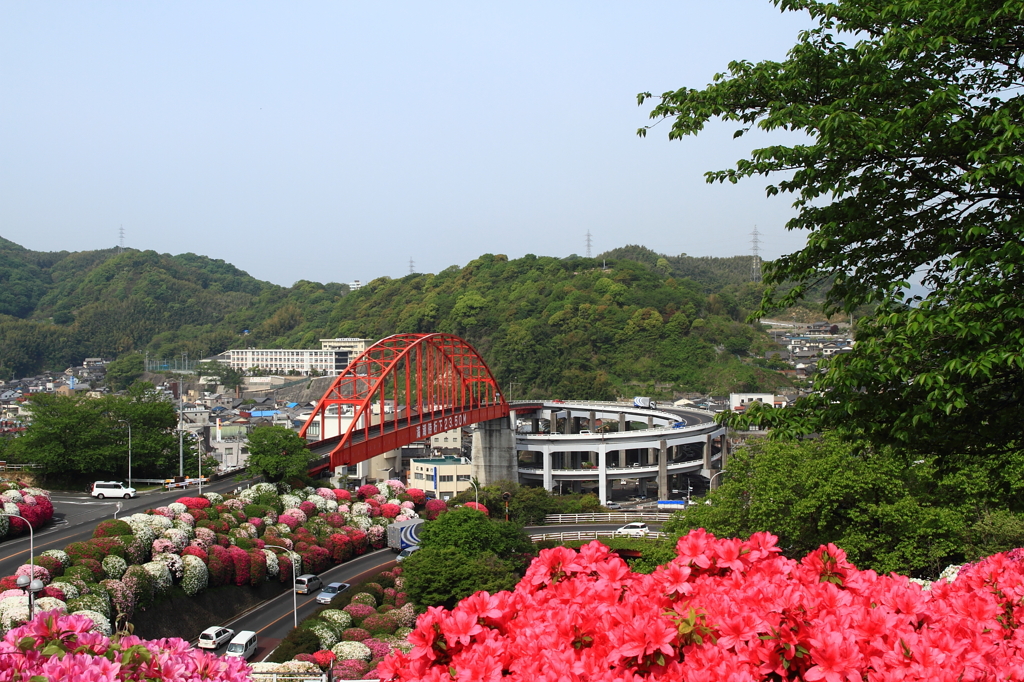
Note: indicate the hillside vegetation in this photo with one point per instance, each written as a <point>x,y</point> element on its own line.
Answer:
<point>617,324</point>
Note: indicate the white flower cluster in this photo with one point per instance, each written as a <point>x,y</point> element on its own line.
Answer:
<point>100,622</point>
<point>364,598</point>
<point>60,555</point>
<point>352,650</point>
<point>290,501</point>
<point>13,612</point>
<point>161,575</point>
<point>114,566</point>
<point>196,577</point>
<point>339,620</point>
<point>179,537</point>
<point>286,668</point>
<point>325,633</point>
<point>214,498</point>
<point>12,496</point>
<point>273,567</point>
<point>177,508</point>
<point>249,495</point>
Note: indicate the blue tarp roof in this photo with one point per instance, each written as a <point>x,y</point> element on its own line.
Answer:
<point>263,413</point>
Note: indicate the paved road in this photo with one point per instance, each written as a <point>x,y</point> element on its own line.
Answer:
<point>75,517</point>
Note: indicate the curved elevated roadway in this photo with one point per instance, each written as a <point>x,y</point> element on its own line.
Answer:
<point>667,442</point>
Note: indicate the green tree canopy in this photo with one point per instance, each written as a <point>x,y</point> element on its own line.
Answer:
<point>123,372</point>
<point>77,437</point>
<point>890,512</point>
<point>911,170</point>
<point>462,552</point>
<point>277,452</point>
<point>227,376</point>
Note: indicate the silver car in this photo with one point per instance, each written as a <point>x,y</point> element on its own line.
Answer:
<point>330,591</point>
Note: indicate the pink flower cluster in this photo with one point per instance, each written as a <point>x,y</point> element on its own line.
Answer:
<point>725,609</point>
<point>59,647</point>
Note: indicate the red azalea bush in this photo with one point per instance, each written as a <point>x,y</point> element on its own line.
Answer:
<point>323,658</point>
<point>434,509</point>
<point>315,560</point>
<point>195,551</point>
<point>366,491</point>
<point>726,609</point>
<point>390,511</point>
<point>360,543</point>
<point>221,566</point>
<point>9,582</point>
<point>350,669</point>
<point>307,508</point>
<point>240,560</point>
<point>340,547</point>
<point>95,567</point>
<point>334,519</point>
<point>111,528</point>
<point>479,507</point>
<point>418,497</point>
<point>195,502</point>
<point>53,566</point>
<point>257,567</point>
<point>342,495</point>
<point>284,568</point>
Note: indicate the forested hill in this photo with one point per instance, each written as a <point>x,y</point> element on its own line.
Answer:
<point>570,327</point>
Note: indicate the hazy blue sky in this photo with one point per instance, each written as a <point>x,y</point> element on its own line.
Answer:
<point>334,141</point>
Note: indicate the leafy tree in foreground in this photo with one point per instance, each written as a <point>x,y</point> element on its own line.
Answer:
<point>913,169</point>
<point>462,552</point>
<point>277,452</point>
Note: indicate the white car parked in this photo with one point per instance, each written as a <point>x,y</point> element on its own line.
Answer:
<point>637,529</point>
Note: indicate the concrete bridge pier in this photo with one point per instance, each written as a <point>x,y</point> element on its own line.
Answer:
<point>494,451</point>
<point>663,489</point>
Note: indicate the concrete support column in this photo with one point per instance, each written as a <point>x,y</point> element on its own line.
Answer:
<point>725,449</point>
<point>663,489</point>
<point>494,452</point>
<point>622,422</point>
<point>650,421</point>
<point>535,425</point>
<point>568,422</point>
<point>602,473</point>
<point>707,453</point>
<point>593,422</point>
<point>549,479</point>
<point>647,456</point>
<point>553,428</point>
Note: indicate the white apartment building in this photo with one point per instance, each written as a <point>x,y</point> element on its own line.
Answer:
<point>331,359</point>
<point>441,477</point>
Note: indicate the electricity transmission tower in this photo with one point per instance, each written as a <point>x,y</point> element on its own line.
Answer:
<point>588,243</point>
<point>755,260</point>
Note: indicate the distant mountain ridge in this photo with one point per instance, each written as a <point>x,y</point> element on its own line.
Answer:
<point>575,326</point>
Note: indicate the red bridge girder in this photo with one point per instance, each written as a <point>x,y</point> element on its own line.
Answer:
<point>400,390</point>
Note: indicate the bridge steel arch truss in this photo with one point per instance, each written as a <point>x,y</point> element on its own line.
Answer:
<point>419,385</point>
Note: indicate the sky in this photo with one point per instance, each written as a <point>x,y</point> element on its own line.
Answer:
<point>338,141</point>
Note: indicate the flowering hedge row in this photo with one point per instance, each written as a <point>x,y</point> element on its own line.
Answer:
<point>207,541</point>
<point>32,503</point>
<point>726,609</point>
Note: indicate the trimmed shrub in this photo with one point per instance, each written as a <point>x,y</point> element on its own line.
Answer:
<point>379,624</point>
<point>53,565</point>
<point>354,635</point>
<point>114,567</point>
<point>95,568</point>
<point>83,573</point>
<point>109,545</point>
<point>83,550</point>
<point>112,528</point>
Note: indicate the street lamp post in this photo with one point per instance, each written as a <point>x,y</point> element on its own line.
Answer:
<point>476,489</point>
<point>712,481</point>
<point>30,585</point>
<point>295,594</point>
<point>125,421</point>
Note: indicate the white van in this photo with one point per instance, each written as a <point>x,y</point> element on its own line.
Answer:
<point>243,645</point>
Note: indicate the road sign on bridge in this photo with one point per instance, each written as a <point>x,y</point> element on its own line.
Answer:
<point>402,389</point>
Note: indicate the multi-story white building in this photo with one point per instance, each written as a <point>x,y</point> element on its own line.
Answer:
<point>441,477</point>
<point>332,357</point>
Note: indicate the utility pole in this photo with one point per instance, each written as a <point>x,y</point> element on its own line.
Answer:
<point>755,260</point>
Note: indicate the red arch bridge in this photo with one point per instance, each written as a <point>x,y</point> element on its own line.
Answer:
<point>400,390</point>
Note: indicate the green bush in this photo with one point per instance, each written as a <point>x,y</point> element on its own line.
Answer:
<point>112,528</point>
